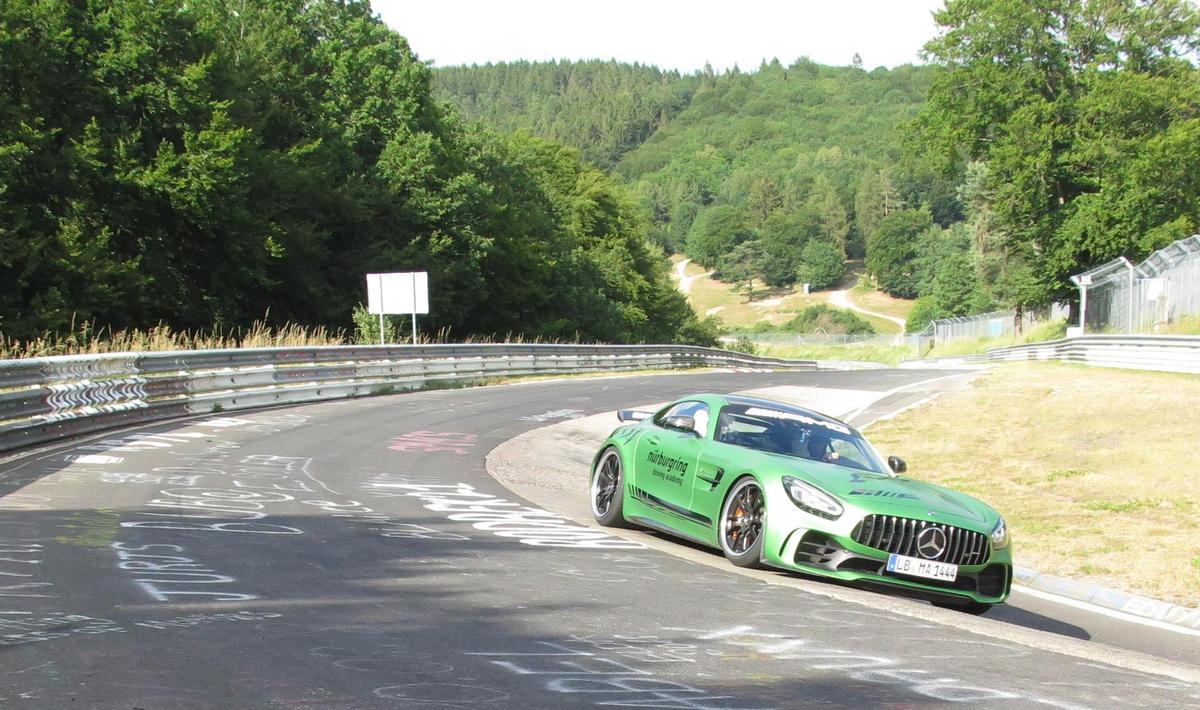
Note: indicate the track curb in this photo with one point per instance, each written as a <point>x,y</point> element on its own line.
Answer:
<point>1114,599</point>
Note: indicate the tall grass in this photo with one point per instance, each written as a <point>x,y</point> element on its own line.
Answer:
<point>886,354</point>
<point>1187,325</point>
<point>86,339</point>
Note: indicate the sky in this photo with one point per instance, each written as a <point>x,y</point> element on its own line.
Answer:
<point>671,34</point>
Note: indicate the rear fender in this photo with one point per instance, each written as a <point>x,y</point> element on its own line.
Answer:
<point>621,452</point>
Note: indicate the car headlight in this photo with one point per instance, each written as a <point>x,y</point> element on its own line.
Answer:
<point>1000,536</point>
<point>811,499</point>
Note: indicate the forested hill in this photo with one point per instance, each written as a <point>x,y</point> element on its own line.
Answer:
<point>1043,138</point>
<point>776,137</point>
<point>604,109</point>
<point>795,141</point>
<point>783,153</point>
<point>197,166</point>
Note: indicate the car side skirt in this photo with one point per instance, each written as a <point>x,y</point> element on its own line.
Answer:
<point>665,507</point>
<point>661,527</point>
<point>641,512</point>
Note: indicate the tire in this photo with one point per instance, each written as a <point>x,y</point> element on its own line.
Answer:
<point>606,491</point>
<point>743,521</point>
<point>966,607</point>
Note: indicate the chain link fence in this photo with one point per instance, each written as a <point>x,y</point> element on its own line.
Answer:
<point>1119,297</point>
<point>997,324</point>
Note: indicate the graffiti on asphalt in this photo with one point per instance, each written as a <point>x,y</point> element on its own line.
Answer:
<point>164,573</point>
<point>430,442</point>
<point>560,668</point>
<point>530,526</point>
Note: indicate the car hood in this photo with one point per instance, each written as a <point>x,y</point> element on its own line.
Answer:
<point>886,495</point>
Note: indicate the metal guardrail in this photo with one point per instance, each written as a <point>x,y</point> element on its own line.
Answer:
<point>1164,353</point>
<point>43,399</point>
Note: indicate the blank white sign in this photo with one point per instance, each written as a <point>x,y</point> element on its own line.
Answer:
<point>406,292</point>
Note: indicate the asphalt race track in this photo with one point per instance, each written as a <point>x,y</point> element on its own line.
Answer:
<point>357,554</point>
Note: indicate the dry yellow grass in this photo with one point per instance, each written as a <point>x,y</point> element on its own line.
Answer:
<point>776,306</point>
<point>866,294</point>
<point>709,297</point>
<point>89,340</point>
<point>1094,469</point>
<point>868,352</point>
<point>882,326</point>
<point>880,302</point>
<point>1187,325</point>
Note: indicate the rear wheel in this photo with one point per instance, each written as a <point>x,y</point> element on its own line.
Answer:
<point>606,490</point>
<point>743,520</point>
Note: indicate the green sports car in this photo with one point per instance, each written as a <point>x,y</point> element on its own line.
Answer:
<point>771,484</point>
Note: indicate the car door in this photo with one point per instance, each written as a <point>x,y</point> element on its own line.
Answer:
<point>724,458</point>
<point>667,458</point>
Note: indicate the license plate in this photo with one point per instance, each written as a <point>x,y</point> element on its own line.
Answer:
<point>916,567</point>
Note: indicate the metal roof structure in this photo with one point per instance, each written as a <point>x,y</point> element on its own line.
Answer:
<point>1162,260</point>
<point>1169,257</point>
<point>1105,273</point>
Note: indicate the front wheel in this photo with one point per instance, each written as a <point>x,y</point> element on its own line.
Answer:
<point>606,489</point>
<point>743,520</point>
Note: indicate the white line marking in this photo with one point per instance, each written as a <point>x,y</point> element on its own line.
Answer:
<point>93,459</point>
<point>893,391</point>
<point>1087,606</point>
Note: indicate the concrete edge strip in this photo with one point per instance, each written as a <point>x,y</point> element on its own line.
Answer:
<point>1104,611</point>
<point>1132,607</point>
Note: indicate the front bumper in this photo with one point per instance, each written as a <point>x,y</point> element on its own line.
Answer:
<point>802,542</point>
<point>819,552</point>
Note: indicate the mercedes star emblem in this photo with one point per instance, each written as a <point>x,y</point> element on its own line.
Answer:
<point>931,543</point>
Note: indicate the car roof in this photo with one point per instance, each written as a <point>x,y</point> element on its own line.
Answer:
<point>781,406</point>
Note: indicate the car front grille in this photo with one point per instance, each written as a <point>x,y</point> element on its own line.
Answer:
<point>900,536</point>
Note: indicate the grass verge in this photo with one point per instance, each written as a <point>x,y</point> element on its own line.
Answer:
<point>886,354</point>
<point>1091,467</point>
<point>88,340</point>
<point>1041,332</point>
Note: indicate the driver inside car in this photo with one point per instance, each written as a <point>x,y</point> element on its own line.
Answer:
<point>819,448</point>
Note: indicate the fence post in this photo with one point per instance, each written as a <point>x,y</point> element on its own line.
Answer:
<point>1130,267</point>
<point>1083,284</point>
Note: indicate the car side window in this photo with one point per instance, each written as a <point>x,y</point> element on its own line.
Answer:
<point>698,411</point>
<point>739,430</point>
<point>848,454</point>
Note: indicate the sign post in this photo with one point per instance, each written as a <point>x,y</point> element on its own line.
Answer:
<point>406,292</point>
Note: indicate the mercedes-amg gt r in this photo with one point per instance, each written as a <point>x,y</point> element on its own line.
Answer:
<point>771,484</point>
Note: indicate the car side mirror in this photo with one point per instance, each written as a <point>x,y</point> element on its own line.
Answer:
<point>897,464</point>
<point>681,422</point>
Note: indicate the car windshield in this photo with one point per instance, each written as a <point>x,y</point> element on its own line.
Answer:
<point>790,433</point>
